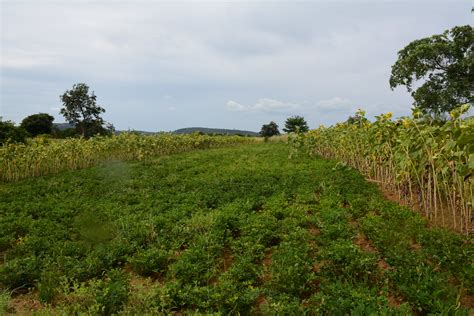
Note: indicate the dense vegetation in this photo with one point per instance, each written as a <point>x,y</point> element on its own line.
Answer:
<point>429,164</point>
<point>42,156</point>
<point>9,133</point>
<point>80,109</point>
<point>445,62</point>
<point>37,124</point>
<point>296,124</point>
<point>242,229</point>
<point>269,130</point>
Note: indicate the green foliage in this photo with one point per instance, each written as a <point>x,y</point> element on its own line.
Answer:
<point>113,294</point>
<point>48,286</point>
<point>80,108</point>
<point>151,261</point>
<point>446,62</point>
<point>296,124</point>
<point>4,301</point>
<point>349,262</point>
<point>37,124</point>
<point>223,231</point>
<point>9,133</point>
<point>269,130</point>
<point>41,158</point>
<point>421,161</point>
<point>339,297</point>
<point>65,133</point>
<point>291,266</point>
<point>20,272</point>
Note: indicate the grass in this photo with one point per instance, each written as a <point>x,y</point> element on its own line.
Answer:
<point>239,230</point>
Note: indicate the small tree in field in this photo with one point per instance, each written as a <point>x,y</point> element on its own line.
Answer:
<point>295,124</point>
<point>269,130</point>
<point>80,108</point>
<point>37,124</point>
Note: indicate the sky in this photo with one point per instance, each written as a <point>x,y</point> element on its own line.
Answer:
<point>160,66</point>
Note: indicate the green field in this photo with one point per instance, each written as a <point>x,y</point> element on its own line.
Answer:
<point>236,230</point>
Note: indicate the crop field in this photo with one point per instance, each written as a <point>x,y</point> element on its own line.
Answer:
<point>426,164</point>
<point>241,230</point>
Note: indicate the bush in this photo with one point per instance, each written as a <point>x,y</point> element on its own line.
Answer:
<point>9,133</point>
<point>37,124</point>
<point>20,272</point>
<point>114,293</point>
<point>150,261</point>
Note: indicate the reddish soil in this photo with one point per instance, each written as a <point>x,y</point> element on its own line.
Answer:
<point>266,262</point>
<point>228,259</point>
<point>138,282</point>
<point>318,265</point>
<point>25,304</point>
<point>261,300</point>
<point>415,246</point>
<point>394,301</point>
<point>383,265</point>
<point>363,243</point>
<point>468,301</point>
<point>314,231</point>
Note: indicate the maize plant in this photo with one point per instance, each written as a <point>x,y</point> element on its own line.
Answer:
<point>20,161</point>
<point>428,164</point>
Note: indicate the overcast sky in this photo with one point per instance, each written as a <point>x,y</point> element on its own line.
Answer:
<point>166,65</point>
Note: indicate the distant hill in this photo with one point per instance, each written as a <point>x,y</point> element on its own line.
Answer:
<point>222,131</point>
<point>136,132</point>
<point>189,130</point>
<point>63,126</point>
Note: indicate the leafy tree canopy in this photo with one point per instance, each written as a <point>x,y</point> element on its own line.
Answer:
<point>295,124</point>
<point>445,62</point>
<point>80,108</point>
<point>269,130</point>
<point>10,133</point>
<point>37,124</point>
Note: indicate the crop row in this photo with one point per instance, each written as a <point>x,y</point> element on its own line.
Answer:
<point>231,231</point>
<point>41,157</point>
<point>428,164</point>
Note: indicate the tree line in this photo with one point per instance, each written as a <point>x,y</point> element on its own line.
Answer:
<point>80,109</point>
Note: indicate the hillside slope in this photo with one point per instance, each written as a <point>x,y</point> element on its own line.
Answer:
<point>222,131</point>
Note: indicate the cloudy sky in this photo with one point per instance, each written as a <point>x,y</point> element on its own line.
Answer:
<point>158,65</point>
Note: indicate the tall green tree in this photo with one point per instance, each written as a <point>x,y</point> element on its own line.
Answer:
<point>81,109</point>
<point>445,63</point>
<point>269,130</point>
<point>37,124</point>
<point>295,124</point>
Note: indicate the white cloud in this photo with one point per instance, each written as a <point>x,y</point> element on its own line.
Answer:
<point>235,106</point>
<point>335,104</point>
<point>264,105</point>
<point>272,105</point>
<point>21,59</point>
